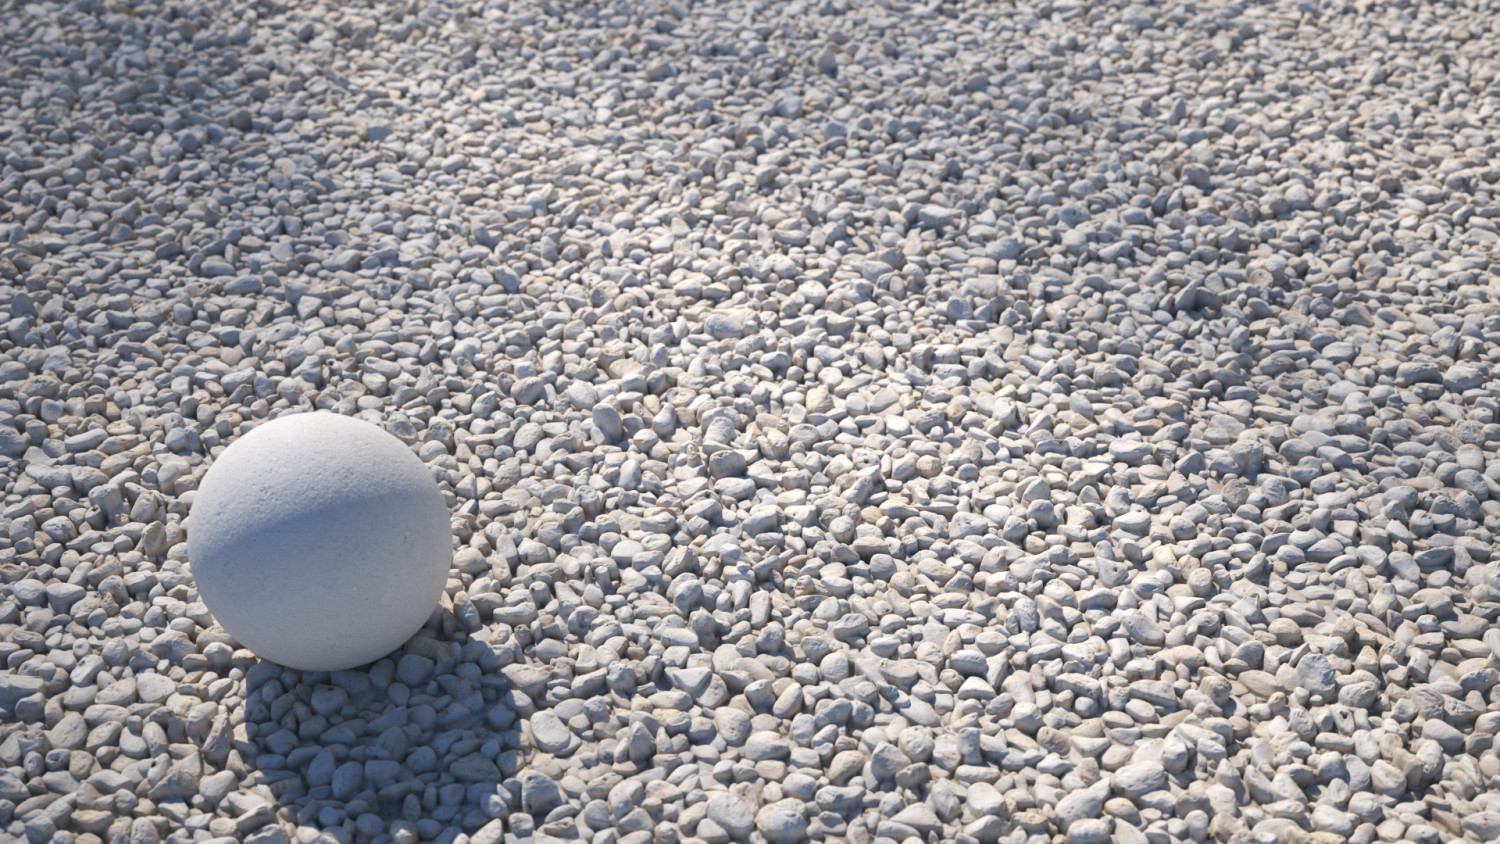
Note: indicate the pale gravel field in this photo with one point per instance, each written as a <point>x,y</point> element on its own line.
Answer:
<point>871,422</point>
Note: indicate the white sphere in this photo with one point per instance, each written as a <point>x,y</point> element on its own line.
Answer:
<point>319,541</point>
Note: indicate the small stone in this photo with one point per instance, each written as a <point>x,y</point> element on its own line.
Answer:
<point>1418,372</point>
<point>731,813</point>
<point>29,592</point>
<point>733,725</point>
<point>725,325</point>
<point>1089,831</point>
<point>1482,826</point>
<point>1444,733</point>
<point>1142,630</point>
<point>640,742</point>
<point>1462,377</point>
<point>784,820</point>
<point>1138,779</point>
<point>69,733</point>
<point>1315,674</point>
<point>607,421</point>
<point>540,793</point>
<point>1130,452</point>
<point>764,745</point>
<point>474,767</point>
<point>886,760</point>
<point>727,463</point>
<point>414,670</point>
<point>151,687</point>
<point>62,596</point>
<point>935,217</point>
<point>549,733</point>
<point>828,62</point>
<point>1081,805</point>
<point>762,519</point>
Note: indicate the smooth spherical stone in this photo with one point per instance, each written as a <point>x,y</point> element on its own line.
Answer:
<point>319,541</point>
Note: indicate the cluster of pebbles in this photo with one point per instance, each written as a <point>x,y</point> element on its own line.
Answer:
<point>862,421</point>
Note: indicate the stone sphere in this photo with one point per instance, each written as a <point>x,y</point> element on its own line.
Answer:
<point>319,541</point>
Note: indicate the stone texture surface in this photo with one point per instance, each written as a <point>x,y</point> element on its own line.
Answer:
<point>857,422</point>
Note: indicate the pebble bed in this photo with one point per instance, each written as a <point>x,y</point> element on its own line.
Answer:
<point>862,421</point>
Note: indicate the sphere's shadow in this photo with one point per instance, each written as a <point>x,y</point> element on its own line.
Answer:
<point>425,742</point>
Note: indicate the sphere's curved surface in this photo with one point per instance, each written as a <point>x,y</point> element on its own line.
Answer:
<point>319,541</point>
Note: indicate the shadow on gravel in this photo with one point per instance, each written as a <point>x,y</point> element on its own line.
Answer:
<point>425,741</point>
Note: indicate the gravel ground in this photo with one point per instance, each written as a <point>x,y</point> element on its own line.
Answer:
<point>869,422</point>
